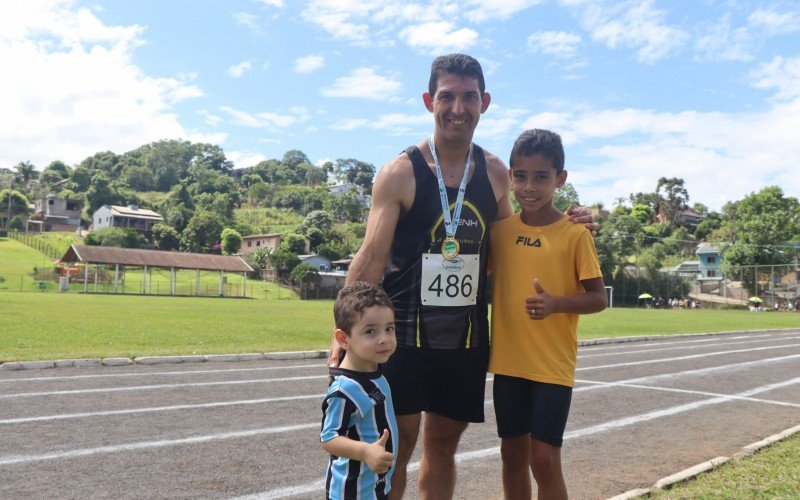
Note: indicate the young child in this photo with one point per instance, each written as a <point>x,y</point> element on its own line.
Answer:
<point>359,429</point>
<point>545,273</point>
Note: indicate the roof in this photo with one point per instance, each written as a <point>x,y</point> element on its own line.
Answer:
<point>707,248</point>
<point>137,213</point>
<point>154,258</point>
<point>254,236</point>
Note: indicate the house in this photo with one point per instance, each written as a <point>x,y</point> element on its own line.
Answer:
<point>255,242</point>
<point>340,189</point>
<point>687,216</point>
<point>318,262</point>
<point>52,213</point>
<point>130,217</point>
<point>710,259</point>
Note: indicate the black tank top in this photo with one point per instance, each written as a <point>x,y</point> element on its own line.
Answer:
<point>421,231</point>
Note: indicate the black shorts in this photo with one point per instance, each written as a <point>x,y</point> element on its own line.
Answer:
<point>451,383</point>
<point>523,406</point>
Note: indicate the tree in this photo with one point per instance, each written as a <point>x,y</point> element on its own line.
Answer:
<point>283,260</point>
<point>138,178</point>
<point>17,204</point>
<point>356,172</point>
<point>642,213</point>
<point>303,274</point>
<point>672,196</point>
<point>295,243</point>
<point>231,241</point>
<point>319,219</point>
<point>315,237</point>
<point>758,225</point>
<point>100,193</point>
<point>565,196</point>
<point>166,237</point>
<point>53,173</point>
<point>25,172</point>
<point>347,206</point>
<point>202,232</point>
<point>115,237</point>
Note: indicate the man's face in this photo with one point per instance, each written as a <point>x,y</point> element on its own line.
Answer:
<point>456,107</point>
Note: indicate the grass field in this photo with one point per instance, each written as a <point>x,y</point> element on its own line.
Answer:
<point>79,325</point>
<point>773,472</point>
<point>17,261</point>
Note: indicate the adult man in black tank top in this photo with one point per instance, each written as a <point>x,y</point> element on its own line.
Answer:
<point>441,315</point>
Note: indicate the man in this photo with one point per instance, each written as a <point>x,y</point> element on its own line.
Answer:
<point>427,237</point>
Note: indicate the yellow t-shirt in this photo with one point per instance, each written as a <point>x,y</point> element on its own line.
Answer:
<point>560,256</point>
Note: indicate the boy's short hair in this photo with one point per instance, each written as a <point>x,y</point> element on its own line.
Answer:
<point>539,141</point>
<point>455,64</point>
<point>353,299</point>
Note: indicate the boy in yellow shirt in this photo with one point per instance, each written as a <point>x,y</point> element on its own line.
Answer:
<point>545,273</point>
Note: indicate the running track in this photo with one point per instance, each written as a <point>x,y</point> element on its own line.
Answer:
<point>641,411</point>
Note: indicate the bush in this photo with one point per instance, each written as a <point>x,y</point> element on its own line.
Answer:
<point>116,237</point>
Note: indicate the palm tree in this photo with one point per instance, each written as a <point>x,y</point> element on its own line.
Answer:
<point>25,172</point>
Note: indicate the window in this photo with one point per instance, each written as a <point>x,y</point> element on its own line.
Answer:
<point>712,274</point>
<point>249,243</point>
<point>712,259</point>
<point>51,202</point>
<point>258,243</point>
<point>71,206</point>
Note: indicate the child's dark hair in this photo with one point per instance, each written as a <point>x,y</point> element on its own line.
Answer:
<point>353,299</point>
<point>455,64</point>
<point>540,141</point>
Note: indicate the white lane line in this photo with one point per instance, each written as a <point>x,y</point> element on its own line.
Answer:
<point>676,348</point>
<point>697,371</point>
<point>493,452</point>
<point>66,416</point>
<point>696,393</point>
<point>177,373</point>
<point>681,358</point>
<point>159,386</point>
<point>489,378</point>
<point>669,340</point>
<point>13,460</point>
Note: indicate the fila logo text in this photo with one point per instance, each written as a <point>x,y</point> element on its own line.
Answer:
<point>526,240</point>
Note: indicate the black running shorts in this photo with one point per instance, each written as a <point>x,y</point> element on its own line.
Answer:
<point>523,406</point>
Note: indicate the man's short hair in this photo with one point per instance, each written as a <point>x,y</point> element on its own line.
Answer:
<point>353,299</point>
<point>540,141</point>
<point>455,64</point>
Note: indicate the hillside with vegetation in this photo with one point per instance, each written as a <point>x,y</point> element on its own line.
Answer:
<point>208,207</point>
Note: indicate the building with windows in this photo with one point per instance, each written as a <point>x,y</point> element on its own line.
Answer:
<point>52,213</point>
<point>130,217</point>
<point>710,259</point>
<point>255,242</point>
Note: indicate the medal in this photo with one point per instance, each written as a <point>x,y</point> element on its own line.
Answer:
<point>450,246</point>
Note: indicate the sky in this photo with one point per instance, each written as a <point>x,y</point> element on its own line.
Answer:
<point>704,90</point>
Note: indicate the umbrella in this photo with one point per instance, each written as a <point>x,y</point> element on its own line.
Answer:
<point>757,300</point>
<point>645,296</point>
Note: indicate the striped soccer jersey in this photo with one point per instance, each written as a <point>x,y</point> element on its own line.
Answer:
<point>358,406</point>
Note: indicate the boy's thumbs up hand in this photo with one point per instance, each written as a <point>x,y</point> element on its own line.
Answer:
<point>541,304</point>
<point>377,458</point>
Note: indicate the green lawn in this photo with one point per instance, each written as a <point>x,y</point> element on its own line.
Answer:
<point>70,325</point>
<point>773,472</point>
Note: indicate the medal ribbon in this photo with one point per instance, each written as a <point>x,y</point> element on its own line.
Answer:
<point>449,226</point>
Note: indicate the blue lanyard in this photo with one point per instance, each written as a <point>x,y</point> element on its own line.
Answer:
<point>449,226</point>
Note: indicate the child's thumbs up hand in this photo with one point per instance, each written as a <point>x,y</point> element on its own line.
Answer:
<point>541,304</point>
<point>377,458</point>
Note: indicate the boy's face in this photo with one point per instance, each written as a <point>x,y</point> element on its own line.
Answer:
<point>534,181</point>
<point>371,340</point>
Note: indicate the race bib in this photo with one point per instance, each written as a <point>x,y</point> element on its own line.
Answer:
<point>449,283</point>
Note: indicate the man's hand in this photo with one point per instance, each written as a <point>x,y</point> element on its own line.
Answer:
<point>583,215</point>
<point>542,304</point>
<point>377,458</point>
<point>335,354</point>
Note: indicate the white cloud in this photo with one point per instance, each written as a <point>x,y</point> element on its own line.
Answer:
<point>237,70</point>
<point>269,120</point>
<point>503,9</point>
<point>364,83</point>
<point>439,37</point>
<point>337,18</point>
<point>781,74</point>
<point>272,3</point>
<point>555,43</point>
<point>309,64</point>
<point>209,118</point>
<point>774,22</point>
<point>69,87</point>
<point>392,123</point>
<point>633,23</point>
<point>243,159</point>
<point>722,42</point>
<point>628,146</point>
<point>249,21</point>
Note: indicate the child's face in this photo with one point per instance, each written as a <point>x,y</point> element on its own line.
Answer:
<point>534,181</point>
<point>371,340</point>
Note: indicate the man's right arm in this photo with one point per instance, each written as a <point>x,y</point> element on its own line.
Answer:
<point>389,195</point>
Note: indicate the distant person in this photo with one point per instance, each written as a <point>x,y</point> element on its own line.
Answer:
<point>545,273</point>
<point>359,429</point>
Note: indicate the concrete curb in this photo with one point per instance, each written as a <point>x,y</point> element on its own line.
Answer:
<point>161,360</point>
<point>691,472</point>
